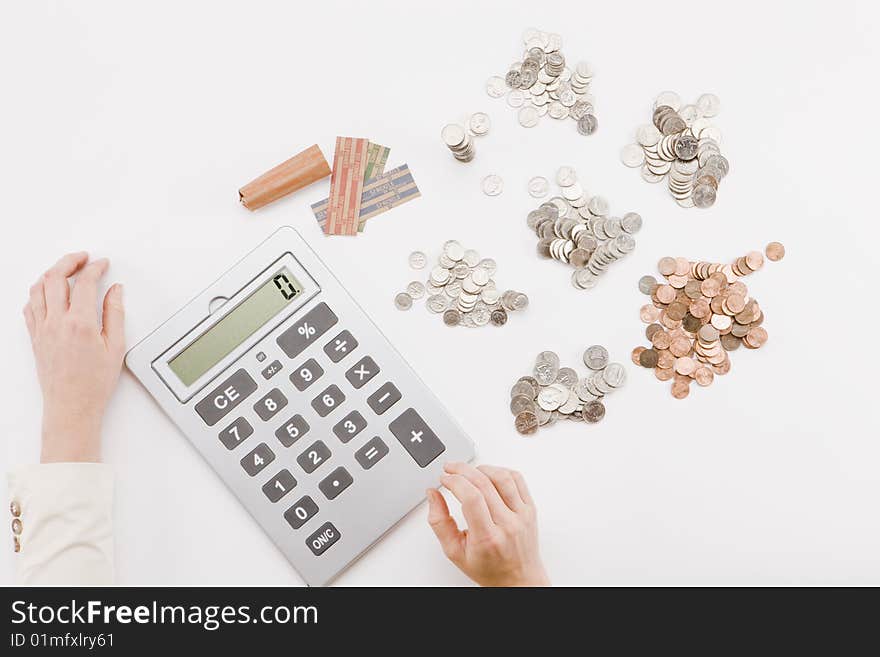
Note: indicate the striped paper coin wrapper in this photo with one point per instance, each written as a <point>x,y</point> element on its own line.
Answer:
<point>393,188</point>
<point>346,185</point>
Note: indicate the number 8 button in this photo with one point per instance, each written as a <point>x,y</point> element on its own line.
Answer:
<point>327,400</point>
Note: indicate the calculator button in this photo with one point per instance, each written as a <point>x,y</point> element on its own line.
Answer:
<point>362,371</point>
<point>222,399</point>
<point>272,369</point>
<point>327,400</point>
<point>315,455</point>
<point>349,426</point>
<point>303,509</point>
<point>304,332</point>
<point>292,430</point>
<point>384,398</point>
<point>323,538</point>
<point>340,346</point>
<point>306,374</point>
<point>416,437</point>
<point>336,482</point>
<point>279,485</point>
<point>371,453</point>
<point>232,435</point>
<point>269,405</point>
<point>257,459</point>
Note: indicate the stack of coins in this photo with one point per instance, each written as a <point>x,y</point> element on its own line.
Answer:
<point>576,229</point>
<point>697,316</point>
<point>458,141</point>
<point>552,392</point>
<point>682,146</point>
<point>541,83</point>
<point>461,289</point>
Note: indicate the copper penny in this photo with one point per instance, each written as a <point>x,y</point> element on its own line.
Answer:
<point>730,342</point>
<point>756,336</point>
<point>690,323</point>
<point>680,346</point>
<point>703,375</point>
<point>682,266</point>
<point>721,322</point>
<point>526,423</point>
<point>710,287</point>
<point>649,313</point>
<point>662,374</point>
<point>665,359</point>
<point>680,389</point>
<point>678,282</point>
<point>666,266</point>
<point>648,358</point>
<point>700,308</point>
<point>685,365</point>
<point>676,310</point>
<point>708,333</point>
<point>665,293</point>
<point>735,303</point>
<point>754,260</point>
<point>722,368</point>
<point>651,329</point>
<point>661,340</point>
<point>774,251</point>
<point>635,355</point>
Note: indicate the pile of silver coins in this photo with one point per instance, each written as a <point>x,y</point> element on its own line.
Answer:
<point>552,392</point>
<point>576,229</point>
<point>461,288</point>
<point>459,142</point>
<point>542,84</point>
<point>682,146</point>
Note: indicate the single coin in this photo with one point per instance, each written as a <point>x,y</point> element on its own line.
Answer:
<point>415,289</point>
<point>636,355</point>
<point>496,87</point>
<point>648,358</point>
<point>403,301</point>
<point>438,303</point>
<point>668,98</point>
<point>524,388</point>
<point>453,135</point>
<point>479,123</point>
<point>587,124</point>
<point>452,317</point>
<point>632,155</point>
<point>680,389</point>
<point>492,185</point>
<point>520,403</point>
<point>526,423</point>
<point>593,411</point>
<point>498,317</point>
<point>528,116</point>
<point>566,176</point>
<point>596,357</point>
<point>538,187</point>
<point>774,251</point>
<point>418,260</point>
<point>709,105</point>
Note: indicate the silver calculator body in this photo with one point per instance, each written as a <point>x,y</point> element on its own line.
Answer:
<point>301,405</point>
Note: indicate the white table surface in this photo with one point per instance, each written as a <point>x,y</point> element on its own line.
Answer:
<point>127,132</point>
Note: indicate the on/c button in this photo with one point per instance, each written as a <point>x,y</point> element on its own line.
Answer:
<point>321,540</point>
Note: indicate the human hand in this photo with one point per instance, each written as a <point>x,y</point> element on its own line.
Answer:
<point>78,361</point>
<point>500,545</point>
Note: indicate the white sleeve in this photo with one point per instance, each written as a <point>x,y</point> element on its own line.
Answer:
<point>65,513</point>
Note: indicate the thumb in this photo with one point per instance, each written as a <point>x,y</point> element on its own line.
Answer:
<point>443,524</point>
<point>114,318</point>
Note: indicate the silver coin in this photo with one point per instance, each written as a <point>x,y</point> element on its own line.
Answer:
<point>632,155</point>
<point>538,187</point>
<point>453,135</point>
<point>631,222</point>
<point>557,110</point>
<point>489,265</point>
<point>415,289</point>
<point>516,98</point>
<point>570,404</point>
<point>596,357</point>
<point>492,185</point>
<point>525,388</point>
<point>418,260</point>
<point>587,124</point>
<point>520,403</point>
<point>403,301</point>
<point>648,135</point>
<point>496,87</point>
<point>528,116</point>
<point>566,376</point>
<point>566,176</point>
<point>438,303</point>
<point>668,98</point>
<point>614,375</point>
<point>709,105</point>
<point>452,317</point>
<point>479,123</point>
<point>647,284</point>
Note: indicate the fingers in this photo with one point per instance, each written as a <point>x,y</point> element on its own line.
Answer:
<point>447,532</point>
<point>85,289</point>
<point>473,504</point>
<point>497,508</point>
<point>29,320</point>
<point>502,479</point>
<point>522,488</point>
<point>55,286</point>
<point>37,301</point>
<point>114,318</point>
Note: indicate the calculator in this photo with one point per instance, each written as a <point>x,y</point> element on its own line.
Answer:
<point>300,404</point>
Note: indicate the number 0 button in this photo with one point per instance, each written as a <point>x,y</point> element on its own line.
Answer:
<point>257,459</point>
<point>315,455</point>
<point>303,509</point>
<point>327,400</point>
<point>269,405</point>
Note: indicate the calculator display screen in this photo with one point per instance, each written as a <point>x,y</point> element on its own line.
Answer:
<point>237,326</point>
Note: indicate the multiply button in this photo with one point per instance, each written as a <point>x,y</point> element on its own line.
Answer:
<point>222,399</point>
<point>416,437</point>
<point>384,398</point>
<point>362,371</point>
<point>321,540</point>
<point>340,346</point>
<point>308,329</point>
<point>336,482</point>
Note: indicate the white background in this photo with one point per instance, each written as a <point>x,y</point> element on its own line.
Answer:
<point>128,129</point>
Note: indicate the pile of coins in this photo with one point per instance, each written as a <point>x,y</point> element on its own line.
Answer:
<point>681,146</point>
<point>458,141</point>
<point>576,229</point>
<point>552,392</point>
<point>460,288</point>
<point>542,84</point>
<point>697,316</point>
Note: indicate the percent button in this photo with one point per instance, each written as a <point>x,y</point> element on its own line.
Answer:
<point>306,330</point>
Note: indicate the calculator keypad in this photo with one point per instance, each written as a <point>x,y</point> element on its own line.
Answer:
<point>340,346</point>
<point>306,374</point>
<point>336,482</point>
<point>349,426</point>
<point>384,398</point>
<point>232,435</point>
<point>226,396</point>
<point>257,459</point>
<point>279,485</point>
<point>314,456</point>
<point>303,509</point>
<point>304,332</point>
<point>361,372</point>
<point>328,399</point>
<point>270,404</point>
<point>292,430</point>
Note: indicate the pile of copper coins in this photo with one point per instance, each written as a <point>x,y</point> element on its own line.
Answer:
<point>681,146</point>
<point>461,288</point>
<point>697,316</point>
<point>576,229</point>
<point>552,392</point>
